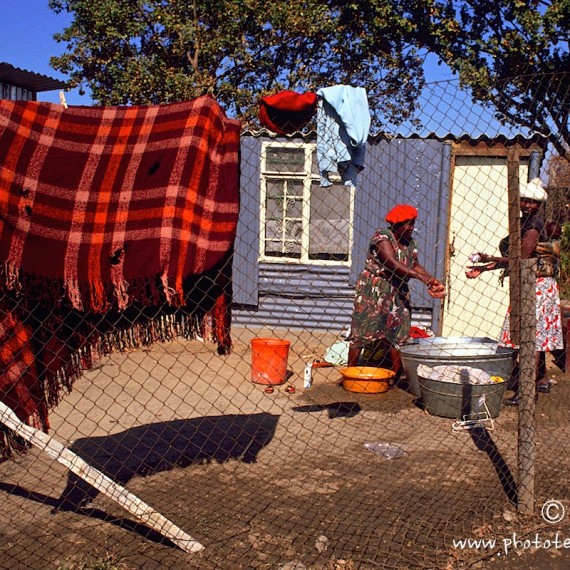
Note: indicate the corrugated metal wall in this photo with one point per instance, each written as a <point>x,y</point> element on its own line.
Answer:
<point>321,297</point>
<point>246,252</point>
<point>307,297</point>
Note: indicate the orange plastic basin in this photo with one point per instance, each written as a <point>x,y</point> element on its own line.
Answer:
<point>366,379</point>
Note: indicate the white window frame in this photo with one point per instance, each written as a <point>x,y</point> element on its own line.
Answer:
<point>307,177</point>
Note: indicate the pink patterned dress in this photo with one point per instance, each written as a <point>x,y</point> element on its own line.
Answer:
<point>548,318</point>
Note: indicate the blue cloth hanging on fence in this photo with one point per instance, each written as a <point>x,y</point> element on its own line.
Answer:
<point>343,124</point>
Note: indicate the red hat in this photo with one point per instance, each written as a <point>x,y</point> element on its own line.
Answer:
<point>401,213</point>
<point>287,112</point>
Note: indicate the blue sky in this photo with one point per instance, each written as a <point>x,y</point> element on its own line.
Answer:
<point>26,41</point>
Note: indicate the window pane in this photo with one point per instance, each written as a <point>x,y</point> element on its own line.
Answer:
<point>285,159</point>
<point>274,209</point>
<point>295,187</point>
<point>274,231</point>
<point>329,227</point>
<point>275,188</point>
<point>314,163</point>
<point>331,202</point>
<point>293,229</point>
<point>284,198</point>
<point>294,208</point>
<point>280,188</point>
<point>283,239</point>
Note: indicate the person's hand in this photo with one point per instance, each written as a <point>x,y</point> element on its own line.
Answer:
<point>479,257</point>
<point>436,289</point>
<point>475,270</point>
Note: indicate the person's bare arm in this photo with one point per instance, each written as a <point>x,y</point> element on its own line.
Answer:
<point>491,262</point>
<point>529,242</point>
<point>388,257</point>
<point>435,287</point>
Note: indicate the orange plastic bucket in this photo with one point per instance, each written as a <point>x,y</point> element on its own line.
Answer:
<point>269,360</point>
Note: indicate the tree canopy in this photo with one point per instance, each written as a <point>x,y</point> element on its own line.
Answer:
<point>160,51</point>
<point>512,54</point>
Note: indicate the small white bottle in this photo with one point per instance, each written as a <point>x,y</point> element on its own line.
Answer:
<point>308,376</point>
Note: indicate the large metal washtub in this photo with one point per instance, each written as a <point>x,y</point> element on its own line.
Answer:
<point>477,352</point>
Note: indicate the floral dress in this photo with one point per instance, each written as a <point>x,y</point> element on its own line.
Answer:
<point>382,301</point>
<point>548,318</point>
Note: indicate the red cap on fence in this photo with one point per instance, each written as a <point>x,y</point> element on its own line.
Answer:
<point>287,111</point>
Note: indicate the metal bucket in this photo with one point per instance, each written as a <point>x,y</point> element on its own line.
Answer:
<point>477,352</point>
<point>461,401</point>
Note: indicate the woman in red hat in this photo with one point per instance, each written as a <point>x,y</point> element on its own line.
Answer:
<point>381,317</point>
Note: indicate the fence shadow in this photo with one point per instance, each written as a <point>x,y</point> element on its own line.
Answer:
<point>151,448</point>
<point>484,442</point>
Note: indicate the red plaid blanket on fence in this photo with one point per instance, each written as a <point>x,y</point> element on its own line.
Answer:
<point>110,210</point>
<point>102,200</point>
<point>20,388</point>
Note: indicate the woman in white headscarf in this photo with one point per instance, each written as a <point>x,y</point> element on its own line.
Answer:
<point>548,319</point>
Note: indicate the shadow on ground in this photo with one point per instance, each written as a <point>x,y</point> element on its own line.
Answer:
<point>484,442</point>
<point>152,448</point>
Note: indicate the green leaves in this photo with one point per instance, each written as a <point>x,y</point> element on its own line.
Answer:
<point>510,54</point>
<point>154,51</point>
<point>159,51</point>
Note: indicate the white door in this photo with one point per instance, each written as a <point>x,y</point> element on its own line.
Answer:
<point>479,220</point>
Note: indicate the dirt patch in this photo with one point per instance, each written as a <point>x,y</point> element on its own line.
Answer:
<point>270,480</point>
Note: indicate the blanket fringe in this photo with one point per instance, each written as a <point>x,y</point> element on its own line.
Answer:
<point>10,274</point>
<point>68,364</point>
<point>12,445</point>
<point>166,328</point>
<point>61,343</point>
<point>92,297</point>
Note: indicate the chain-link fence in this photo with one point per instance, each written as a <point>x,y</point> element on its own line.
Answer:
<point>215,436</point>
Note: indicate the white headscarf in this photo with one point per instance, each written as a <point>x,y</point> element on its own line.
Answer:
<point>534,190</point>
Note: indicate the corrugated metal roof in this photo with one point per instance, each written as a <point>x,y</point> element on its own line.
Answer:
<point>441,136</point>
<point>29,79</point>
